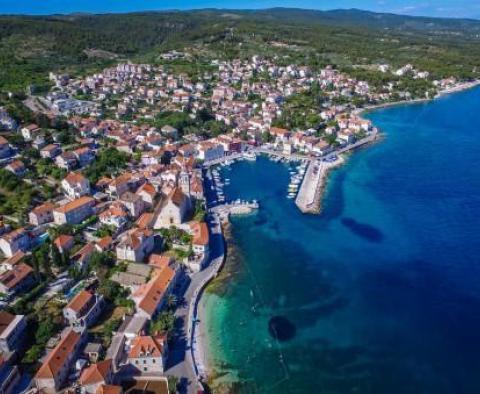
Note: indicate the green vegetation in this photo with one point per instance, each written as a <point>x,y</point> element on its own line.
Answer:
<point>31,46</point>
<point>199,212</point>
<point>175,235</point>
<point>108,162</point>
<point>204,124</point>
<point>47,167</point>
<point>164,323</point>
<point>301,110</point>
<point>15,195</point>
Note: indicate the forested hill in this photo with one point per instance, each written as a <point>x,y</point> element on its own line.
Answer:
<point>31,46</point>
<point>467,28</point>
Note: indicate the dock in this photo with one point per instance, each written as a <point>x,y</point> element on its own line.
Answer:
<point>308,197</point>
<point>234,208</point>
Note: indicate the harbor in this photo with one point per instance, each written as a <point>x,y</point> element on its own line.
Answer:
<point>309,197</point>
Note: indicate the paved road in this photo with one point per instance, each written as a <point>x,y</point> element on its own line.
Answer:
<point>180,361</point>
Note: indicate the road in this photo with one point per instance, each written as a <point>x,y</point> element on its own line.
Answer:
<point>180,361</point>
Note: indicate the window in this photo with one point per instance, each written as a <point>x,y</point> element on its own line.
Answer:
<point>145,369</point>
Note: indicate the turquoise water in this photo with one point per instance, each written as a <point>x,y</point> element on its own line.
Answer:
<point>383,288</point>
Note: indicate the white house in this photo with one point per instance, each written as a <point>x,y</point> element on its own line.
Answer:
<point>14,241</point>
<point>12,328</point>
<point>209,151</point>
<point>148,354</point>
<point>30,132</point>
<point>75,185</point>
<point>83,309</point>
<point>135,245</point>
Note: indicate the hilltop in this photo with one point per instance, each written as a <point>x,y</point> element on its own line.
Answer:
<point>31,46</point>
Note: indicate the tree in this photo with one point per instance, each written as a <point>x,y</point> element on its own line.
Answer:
<point>171,301</point>
<point>163,324</point>
<point>33,354</point>
<point>57,259</point>
<point>266,137</point>
<point>35,266</point>
<point>46,329</point>
<point>199,211</point>
<point>172,384</point>
<point>42,255</point>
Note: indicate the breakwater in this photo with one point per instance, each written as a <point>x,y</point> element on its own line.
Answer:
<point>309,196</point>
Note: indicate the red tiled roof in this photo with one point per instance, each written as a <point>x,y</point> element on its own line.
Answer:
<point>105,243</point>
<point>153,345</point>
<point>145,220</point>
<point>45,207</point>
<point>177,196</point>
<point>96,373</point>
<point>109,389</point>
<point>152,293</point>
<point>58,356</point>
<point>74,177</point>
<point>14,276</point>
<point>63,240</point>
<point>72,205</point>
<point>80,300</point>
<point>159,260</point>
<point>5,320</point>
<point>200,233</point>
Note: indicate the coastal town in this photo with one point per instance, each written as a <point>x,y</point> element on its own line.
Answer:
<point>113,207</point>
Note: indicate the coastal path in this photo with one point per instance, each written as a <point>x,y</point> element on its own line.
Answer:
<point>187,359</point>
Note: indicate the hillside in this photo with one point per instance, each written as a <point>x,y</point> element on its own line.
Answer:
<point>32,46</point>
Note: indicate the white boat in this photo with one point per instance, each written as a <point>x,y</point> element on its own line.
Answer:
<point>250,156</point>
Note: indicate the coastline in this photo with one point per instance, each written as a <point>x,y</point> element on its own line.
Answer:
<point>321,187</point>
<point>445,92</point>
<point>202,339</point>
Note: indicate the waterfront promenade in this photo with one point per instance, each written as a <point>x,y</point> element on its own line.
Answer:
<point>187,360</point>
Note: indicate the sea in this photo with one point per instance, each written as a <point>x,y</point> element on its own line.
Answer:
<point>380,292</point>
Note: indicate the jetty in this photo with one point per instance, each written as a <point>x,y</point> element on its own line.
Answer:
<point>234,208</point>
<point>308,197</point>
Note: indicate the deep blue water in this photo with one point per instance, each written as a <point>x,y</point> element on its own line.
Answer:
<point>382,290</point>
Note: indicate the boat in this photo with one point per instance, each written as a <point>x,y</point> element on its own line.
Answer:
<point>250,156</point>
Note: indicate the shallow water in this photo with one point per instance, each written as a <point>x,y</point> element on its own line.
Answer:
<point>381,291</point>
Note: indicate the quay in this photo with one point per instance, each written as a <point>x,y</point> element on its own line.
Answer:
<point>257,150</point>
<point>287,156</point>
<point>309,196</point>
<point>234,208</point>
